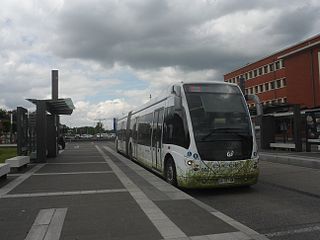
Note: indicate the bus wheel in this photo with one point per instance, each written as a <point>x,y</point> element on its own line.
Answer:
<point>170,172</point>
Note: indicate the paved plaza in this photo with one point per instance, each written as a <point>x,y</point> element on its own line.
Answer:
<point>91,192</point>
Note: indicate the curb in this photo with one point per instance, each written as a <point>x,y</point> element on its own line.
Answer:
<point>291,160</point>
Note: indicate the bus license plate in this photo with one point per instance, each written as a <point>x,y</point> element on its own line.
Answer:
<point>225,180</point>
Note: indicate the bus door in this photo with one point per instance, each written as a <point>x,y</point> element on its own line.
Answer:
<point>135,137</point>
<point>157,138</point>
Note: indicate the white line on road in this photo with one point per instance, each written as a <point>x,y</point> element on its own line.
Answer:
<point>48,224</point>
<point>50,194</point>
<point>76,163</point>
<point>71,173</point>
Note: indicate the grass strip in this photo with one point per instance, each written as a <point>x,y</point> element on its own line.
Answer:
<point>7,152</point>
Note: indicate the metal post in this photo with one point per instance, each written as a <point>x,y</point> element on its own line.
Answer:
<point>41,129</point>
<point>296,128</point>
<point>11,122</point>
<point>22,131</point>
<point>242,85</point>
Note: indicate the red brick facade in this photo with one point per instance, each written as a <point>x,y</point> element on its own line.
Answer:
<point>288,76</point>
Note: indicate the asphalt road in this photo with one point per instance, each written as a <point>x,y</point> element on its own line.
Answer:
<point>284,205</point>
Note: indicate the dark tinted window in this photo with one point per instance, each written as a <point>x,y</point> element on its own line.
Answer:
<point>144,129</point>
<point>175,130</point>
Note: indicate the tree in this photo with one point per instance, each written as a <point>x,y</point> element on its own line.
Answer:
<point>3,113</point>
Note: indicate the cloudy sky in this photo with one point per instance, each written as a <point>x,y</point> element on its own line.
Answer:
<point>112,54</point>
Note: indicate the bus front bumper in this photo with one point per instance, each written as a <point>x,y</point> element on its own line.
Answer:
<point>202,181</point>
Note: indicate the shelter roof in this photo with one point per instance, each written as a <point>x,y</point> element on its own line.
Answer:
<point>61,106</point>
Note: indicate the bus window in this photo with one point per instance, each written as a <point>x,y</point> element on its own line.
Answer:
<point>175,128</point>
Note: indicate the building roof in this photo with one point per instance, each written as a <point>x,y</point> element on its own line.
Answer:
<point>62,106</point>
<point>282,51</point>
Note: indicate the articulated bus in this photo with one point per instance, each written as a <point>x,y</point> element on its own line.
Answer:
<point>197,135</point>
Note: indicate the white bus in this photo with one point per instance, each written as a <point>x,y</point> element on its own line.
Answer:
<point>197,135</point>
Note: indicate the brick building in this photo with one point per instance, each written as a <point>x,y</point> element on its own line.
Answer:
<point>290,76</point>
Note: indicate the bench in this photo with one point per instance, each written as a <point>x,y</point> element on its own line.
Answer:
<point>18,161</point>
<point>283,145</point>
<point>4,170</point>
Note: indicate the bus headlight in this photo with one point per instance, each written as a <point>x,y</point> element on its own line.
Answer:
<point>189,162</point>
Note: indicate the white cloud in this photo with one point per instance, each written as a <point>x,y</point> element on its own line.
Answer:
<point>115,53</point>
<point>88,114</point>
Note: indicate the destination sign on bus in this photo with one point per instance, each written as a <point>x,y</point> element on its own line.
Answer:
<point>211,88</point>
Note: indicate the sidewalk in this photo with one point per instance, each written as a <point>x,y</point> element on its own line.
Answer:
<point>302,159</point>
<point>91,192</point>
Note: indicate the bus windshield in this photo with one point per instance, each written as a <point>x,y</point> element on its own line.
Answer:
<point>219,116</point>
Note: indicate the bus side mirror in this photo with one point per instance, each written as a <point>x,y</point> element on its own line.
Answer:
<point>177,100</point>
<point>257,102</point>
<point>176,90</point>
<point>177,103</point>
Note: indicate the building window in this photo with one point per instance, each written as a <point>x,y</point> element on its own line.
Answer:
<point>246,76</point>
<point>256,89</point>
<point>260,71</point>
<point>251,91</point>
<point>266,86</point>
<point>284,100</point>
<point>278,83</point>
<point>255,73</point>
<point>260,88</point>
<point>271,85</point>
<point>281,63</point>
<point>271,67</point>
<point>250,74</point>
<point>246,91</point>
<point>277,65</point>
<point>265,69</point>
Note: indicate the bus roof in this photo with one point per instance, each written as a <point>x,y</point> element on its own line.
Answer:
<point>167,92</point>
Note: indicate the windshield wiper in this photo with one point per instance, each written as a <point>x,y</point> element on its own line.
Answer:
<point>224,129</point>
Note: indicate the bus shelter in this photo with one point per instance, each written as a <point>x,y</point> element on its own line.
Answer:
<point>39,132</point>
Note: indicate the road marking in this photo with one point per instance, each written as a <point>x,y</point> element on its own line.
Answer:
<point>50,194</point>
<point>14,183</point>
<point>163,224</point>
<point>295,231</point>
<point>76,163</point>
<point>48,224</point>
<point>71,173</point>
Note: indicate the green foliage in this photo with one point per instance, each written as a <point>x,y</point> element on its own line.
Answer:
<point>3,113</point>
<point>6,153</point>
